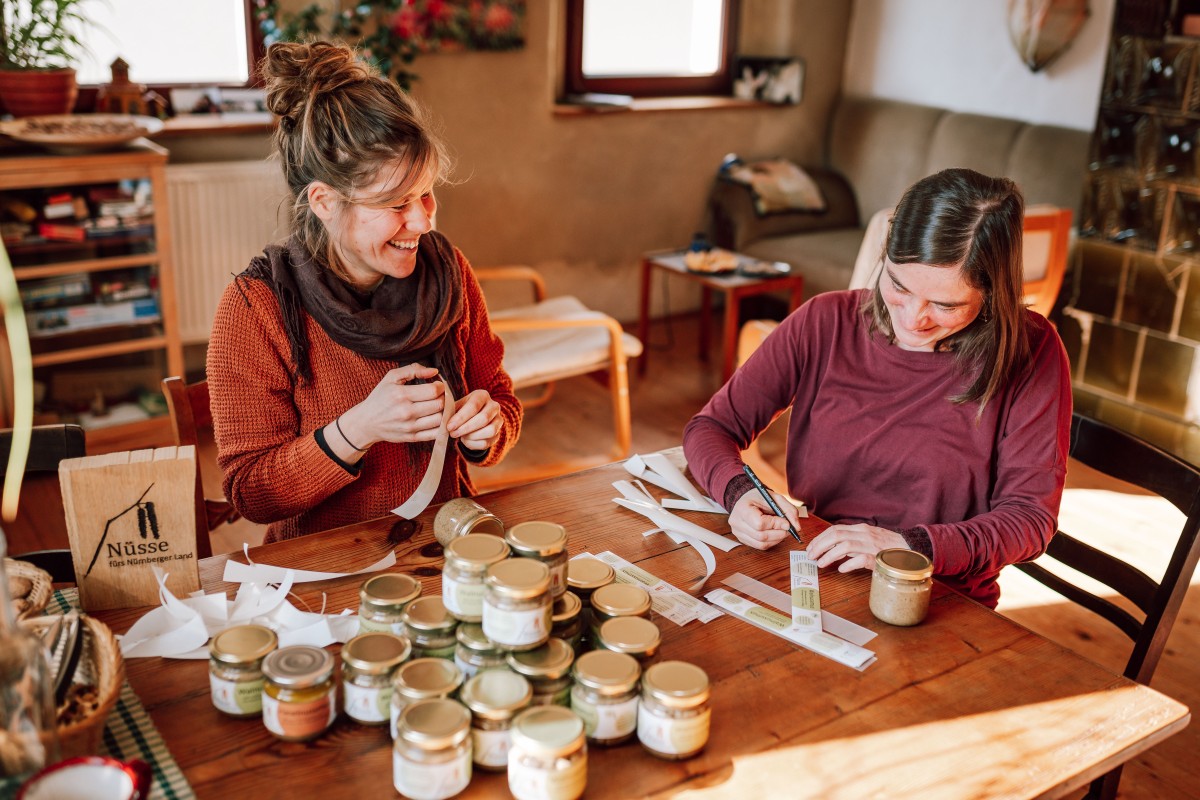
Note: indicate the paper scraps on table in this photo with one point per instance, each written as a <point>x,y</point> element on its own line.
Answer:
<point>237,572</point>
<point>680,530</point>
<point>656,468</point>
<point>420,499</point>
<point>667,601</point>
<point>820,642</point>
<point>781,601</point>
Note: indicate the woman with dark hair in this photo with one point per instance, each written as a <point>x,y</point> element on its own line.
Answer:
<point>931,412</point>
<point>328,354</point>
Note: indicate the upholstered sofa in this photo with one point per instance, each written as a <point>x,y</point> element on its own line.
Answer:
<point>874,151</point>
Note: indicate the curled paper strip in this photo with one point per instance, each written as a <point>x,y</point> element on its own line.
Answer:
<point>237,572</point>
<point>420,499</point>
<point>781,601</point>
<point>658,469</point>
<point>640,501</point>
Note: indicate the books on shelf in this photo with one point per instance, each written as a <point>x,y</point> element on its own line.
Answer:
<point>68,319</point>
<point>56,291</point>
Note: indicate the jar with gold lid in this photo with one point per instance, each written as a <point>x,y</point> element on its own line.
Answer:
<point>548,670</point>
<point>462,516</point>
<point>605,696</point>
<point>475,652</point>
<point>548,757</point>
<point>430,628</point>
<point>516,604</point>
<point>431,759</point>
<point>382,600</point>
<point>618,600</point>
<point>494,697</point>
<point>368,662</point>
<point>584,576</point>
<point>900,586</point>
<point>545,541</point>
<point>566,620</point>
<point>235,668</point>
<point>299,700</point>
<point>467,560</point>
<point>634,636</point>
<point>674,715</point>
<point>422,679</point>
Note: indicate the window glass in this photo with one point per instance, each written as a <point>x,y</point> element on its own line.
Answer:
<point>660,38</point>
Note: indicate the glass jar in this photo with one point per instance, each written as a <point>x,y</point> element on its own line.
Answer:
<point>900,586</point>
<point>235,668</point>
<point>431,759</point>
<point>618,600</point>
<point>566,620</point>
<point>467,560</point>
<point>368,662</point>
<point>382,602</point>
<point>673,716</point>
<point>516,604</point>
<point>545,541</point>
<point>476,652</point>
<point>299,701</point>
<point>605,696</point>
<point>422,679</point>
<point>634,636</point>
<point>461,516</point>
<point>548,757</point>
<point>494,697</point>
<point>548,670</point>
<point>430,628</point>
<point>585,576</point>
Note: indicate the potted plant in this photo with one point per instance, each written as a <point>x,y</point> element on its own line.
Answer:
<point>38,41</point>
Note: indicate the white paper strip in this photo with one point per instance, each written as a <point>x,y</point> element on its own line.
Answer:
<point>637,500</point>
<point>413,506</point>
<point>237,572</point>
<point>821,643</point>
<point>667,600</point>
<point>658,469</point>
<point>806,592</point>
<point>831,623</point>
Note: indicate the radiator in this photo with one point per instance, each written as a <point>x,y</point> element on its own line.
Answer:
<point>222,214</point>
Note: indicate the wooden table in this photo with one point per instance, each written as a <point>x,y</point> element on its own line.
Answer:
<point>968,704</point>
<point>734,287</point>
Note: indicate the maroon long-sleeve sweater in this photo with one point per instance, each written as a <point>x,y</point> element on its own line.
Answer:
<point>873,438</point>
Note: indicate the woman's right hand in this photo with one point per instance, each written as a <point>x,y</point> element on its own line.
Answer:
<point>397,410</point>
<point>755,524</point>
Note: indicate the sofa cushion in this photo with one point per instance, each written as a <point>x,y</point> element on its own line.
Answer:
<point>972,141</point>
<point>823,257</point>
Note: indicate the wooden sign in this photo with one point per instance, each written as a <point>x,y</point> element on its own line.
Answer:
<point>126,513</point>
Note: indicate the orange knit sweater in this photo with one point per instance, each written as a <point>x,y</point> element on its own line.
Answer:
<point>275,472</point>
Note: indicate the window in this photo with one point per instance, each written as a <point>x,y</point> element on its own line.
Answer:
<point>647,49</point>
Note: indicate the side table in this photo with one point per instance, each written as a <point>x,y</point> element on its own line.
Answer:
<point>734,287</point>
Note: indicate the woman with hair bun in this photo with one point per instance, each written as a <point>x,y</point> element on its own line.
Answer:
<point>931,412</point>
<point>328,354</point>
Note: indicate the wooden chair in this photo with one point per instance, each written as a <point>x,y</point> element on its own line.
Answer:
<point>558,338</point>
<point>191,421</point>
<point>1128,458</point>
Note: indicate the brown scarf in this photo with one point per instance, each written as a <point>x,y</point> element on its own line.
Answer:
<point>403,320</point>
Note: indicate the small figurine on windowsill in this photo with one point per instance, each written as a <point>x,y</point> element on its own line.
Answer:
<point>123,96</point>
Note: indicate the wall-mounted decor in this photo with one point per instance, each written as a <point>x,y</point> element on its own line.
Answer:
<point>773,80</point>
<point>1042,30</point>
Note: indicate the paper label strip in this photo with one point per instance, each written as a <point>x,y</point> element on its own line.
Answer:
<point>658,469</point>
<point>667,601</point>
<point>821,643</point>
<point>831,623</point>
<point>806,592</point>
<point>636,500</point>
<point>419,501</point>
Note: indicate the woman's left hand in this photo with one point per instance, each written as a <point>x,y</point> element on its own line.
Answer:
<point>476,420</point>
<point>856,544</point>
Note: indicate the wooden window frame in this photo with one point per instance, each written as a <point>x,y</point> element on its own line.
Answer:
<point>719,83</point>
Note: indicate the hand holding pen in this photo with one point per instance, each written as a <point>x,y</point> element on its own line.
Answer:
<point>747,518</point>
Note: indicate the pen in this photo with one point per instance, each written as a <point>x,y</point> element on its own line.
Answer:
<point>770,501</point>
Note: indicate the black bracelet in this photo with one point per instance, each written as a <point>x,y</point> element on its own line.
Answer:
<point>337,423</point>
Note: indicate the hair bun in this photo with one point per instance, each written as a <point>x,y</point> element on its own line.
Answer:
<point>295,73</point>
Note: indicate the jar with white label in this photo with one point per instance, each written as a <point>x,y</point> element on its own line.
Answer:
<point>299,700</point>
<point>674,715</point>
<point>467,560</point>
<point>431,759</point>
<point>494,697</point>
<point>566,620</point>
<point>618,600</point>
<point>584,576</point>
<point>235,668</point>
<point>634,636</point>
<point>422,679</point>
<point>476,652</point>
<point>462,516</point>
<point>430,628</point>
<point>900,586</point>
<point>368,662</point>
<point>382,600</point>
<point>605,696</point>
<point>516,604</point>
<point>548,758</point>
<point>545,541</point>
<point>548,670</point>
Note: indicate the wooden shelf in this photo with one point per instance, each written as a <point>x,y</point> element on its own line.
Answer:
<point>87,265</point>
<point>73,354</point>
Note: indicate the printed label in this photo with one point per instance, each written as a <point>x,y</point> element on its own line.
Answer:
<point>431,781</point>
<point>367,704</point>
<point>298,720</point>
<point>239,698</point>
<point>607,720</point>
<point>375,626</point>
<point>806,593</point>
<point>491,747</point>
<point>463,600</point>
<point>673,736</point>
<point>530,783</point>
<point>516,628</point>
<point>558,579</point>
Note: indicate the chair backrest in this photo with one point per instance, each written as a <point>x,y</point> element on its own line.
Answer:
<point>1127,458</point>
<point>191,421</point>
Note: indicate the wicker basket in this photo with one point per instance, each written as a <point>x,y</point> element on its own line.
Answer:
<point>28,603</point>
<point>101,665</point>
